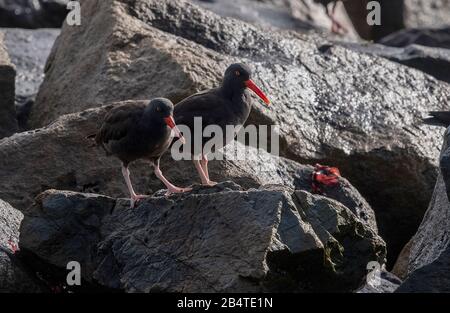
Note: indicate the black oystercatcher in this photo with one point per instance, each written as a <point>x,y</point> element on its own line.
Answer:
<point>139,131</point>
<point>229,104</point>
<point>438,118</point>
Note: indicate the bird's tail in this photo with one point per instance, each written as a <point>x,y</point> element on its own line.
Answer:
<point>438,118</point>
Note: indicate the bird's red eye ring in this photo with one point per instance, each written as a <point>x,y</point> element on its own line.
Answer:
<point>237,73</point>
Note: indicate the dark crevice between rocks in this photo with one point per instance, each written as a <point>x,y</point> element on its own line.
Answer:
<point>53,278</point>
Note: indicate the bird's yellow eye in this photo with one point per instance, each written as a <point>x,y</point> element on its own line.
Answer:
<point>237,73</point>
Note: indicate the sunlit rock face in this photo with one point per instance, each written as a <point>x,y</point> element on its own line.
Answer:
<point>334,105</point>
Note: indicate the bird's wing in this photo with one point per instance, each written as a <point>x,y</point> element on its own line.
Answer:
<point>198,105</point>
<point>118,122</point>
<point>438,118</point>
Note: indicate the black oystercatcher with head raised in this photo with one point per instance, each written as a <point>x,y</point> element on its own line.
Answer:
<point>135,131</point>
<point>229,104</point>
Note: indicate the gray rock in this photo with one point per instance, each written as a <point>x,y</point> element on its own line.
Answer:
<point>426,13</point>
<point>358,112</point>
<point>430,37</point>
<point>28,50</point>
<point>60,156</point>
<point>8,121</point>
<point>219,240</point>
<point>385,283</point>
<point>433,235</point>
<point>430,60</point>
<point>32,13</point>
<point>431,278</point>
<point>348,242</point>
<point>14,278</point>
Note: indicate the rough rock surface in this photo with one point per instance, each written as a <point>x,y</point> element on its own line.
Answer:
<point>430,60</point>
<point>358,112</point>
<point>60,156</point>
<point>28,50</point>
<point>433,235</point>
<point>385,283</point>
<point>430,37</point>
<point>8,121</point>
<point>426,13</point>
<point>32,13</point>
<point>219,239</point>
<point>434,277</point>
<point>13,277</point>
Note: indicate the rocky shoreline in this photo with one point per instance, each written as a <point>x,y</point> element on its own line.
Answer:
<point>337,100</point>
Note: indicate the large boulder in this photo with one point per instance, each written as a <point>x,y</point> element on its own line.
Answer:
<point>219,239</point>
<point>28,50</point>
<point>60,156</point>
<point>433,277</point>
<point>8,121</point>
<point>433,236</point>
<point>32,13</point>
<point>14,276</point>
<point>333,105</point>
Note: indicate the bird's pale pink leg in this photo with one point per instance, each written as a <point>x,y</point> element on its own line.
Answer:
<point>201,173</point>
<point>336,27</point>
<point>133,196</point>
<point>204,164</point>
<point>170,187</point>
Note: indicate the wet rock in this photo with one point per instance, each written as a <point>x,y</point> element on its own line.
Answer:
<point>426,13</point>
<point>28,50</point>
<point>60,156</point>
<point>32,13</point>
<point>430,60</point>
<point>334,106</point>
<point>430,37</point>
<point>14,277</point>
<point>221,240</point>
<point>8,121</point>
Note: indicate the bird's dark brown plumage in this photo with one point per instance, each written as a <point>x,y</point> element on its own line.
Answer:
<point>135,131</point>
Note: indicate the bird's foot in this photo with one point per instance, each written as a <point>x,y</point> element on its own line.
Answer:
<point>177,190</point>
<point>135,199</point>
<point>338,28</point>
<point>209,183</point>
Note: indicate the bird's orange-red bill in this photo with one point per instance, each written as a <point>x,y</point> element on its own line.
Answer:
<point>171,123</point>
<point>251,85</point>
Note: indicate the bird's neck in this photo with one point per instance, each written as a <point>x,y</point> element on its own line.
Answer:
<point>235,95</point>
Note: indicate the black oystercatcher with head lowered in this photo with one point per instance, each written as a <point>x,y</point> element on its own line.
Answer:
<point>135,131</point>
<point>229,104</point>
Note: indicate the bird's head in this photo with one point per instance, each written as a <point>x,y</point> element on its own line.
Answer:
<point>239,76</point>
<point>163,109</point>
